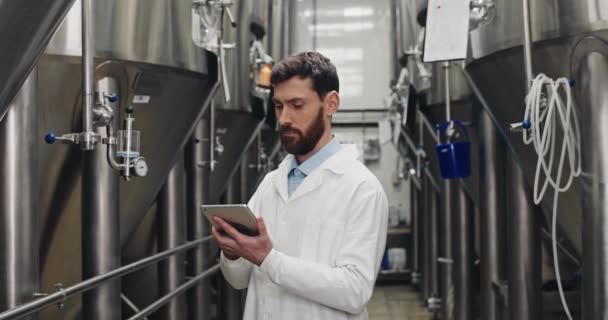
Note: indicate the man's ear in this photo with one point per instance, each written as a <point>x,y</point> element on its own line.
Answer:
<point>332,101</point>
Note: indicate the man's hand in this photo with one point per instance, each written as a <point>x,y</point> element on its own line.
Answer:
<point>235,245</point>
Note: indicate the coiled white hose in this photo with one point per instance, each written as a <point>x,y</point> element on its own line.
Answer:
<point>545,113</point>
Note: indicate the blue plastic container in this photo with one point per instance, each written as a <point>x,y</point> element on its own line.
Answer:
<point>384,265</point>
<point>454,157</point>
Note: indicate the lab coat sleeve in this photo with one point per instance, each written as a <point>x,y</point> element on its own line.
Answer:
<point>349,284</point>
<point>237,272</point>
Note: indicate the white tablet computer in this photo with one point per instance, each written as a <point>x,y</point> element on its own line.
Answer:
<point>238,215</point>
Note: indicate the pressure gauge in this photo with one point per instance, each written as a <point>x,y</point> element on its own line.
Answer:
<point>140,167</point>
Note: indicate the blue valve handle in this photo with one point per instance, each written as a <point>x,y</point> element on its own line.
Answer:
<point>112,97</point>
<point>526,124</point>
<point>50,138</point>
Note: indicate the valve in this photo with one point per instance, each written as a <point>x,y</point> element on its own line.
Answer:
<point>126,141</point>
<point>482,13</point>
<point>50,138</point>
<point>112,97</point>
<point>520,126</point>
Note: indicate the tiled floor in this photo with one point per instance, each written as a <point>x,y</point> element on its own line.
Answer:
<point>396,303</point>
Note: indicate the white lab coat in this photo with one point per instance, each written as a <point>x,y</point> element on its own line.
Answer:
<point>328,238</point>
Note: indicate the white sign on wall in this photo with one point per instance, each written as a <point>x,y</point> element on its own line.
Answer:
<point>447,30</point>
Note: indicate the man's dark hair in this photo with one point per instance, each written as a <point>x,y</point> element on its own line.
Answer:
<point>311,65</point>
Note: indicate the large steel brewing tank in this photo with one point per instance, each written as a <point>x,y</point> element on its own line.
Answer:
<point>569,41</point>
<point>146,46</point>
<point>498,71</point>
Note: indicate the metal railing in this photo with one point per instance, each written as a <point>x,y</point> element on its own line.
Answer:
<point>181,289</point>
<point>63,294</point>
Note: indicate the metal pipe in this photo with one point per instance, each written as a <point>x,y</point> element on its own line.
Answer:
<point>424,231</point>
<point>432,182</point>
<point>131,305</point>
<point>286,30</point>
<point>463,240</point>
<point>230,306</point>
<point>101,249</point>
<point>504,137</point>
<point>173,295</point>
<point>212,135</point>
<point>527,43</point>
<point>88,72</point>
<point>567,253</point>
<point>429,126</point>
<point>415,243</point>
<point>19,264</point>
<point>433,211</point>
<point>444,240</point>
<point>62,295</point>
<point>492,202</point>
<point>448,109</point>
<point>525,258</point>
<point>524,270</point>
<point>244,172</point>
<point>172,230</point>
<point>398,47</point>
<point>275,29</point>
<point>593,78</point>
<point>199,298</point>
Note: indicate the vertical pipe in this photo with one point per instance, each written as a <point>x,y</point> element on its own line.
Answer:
<point>199,259</point>
<point>446,73</point>
<point>171,233</point>
<point>524,269</point>
<point>244,176</point>
<point>463,255</point>
<point>275,29</point>
<point>445,248</point>
<point>425,247</point>
<point>397,36</point>
<point>527,43</point>
<point>492,202</point>
<point>230,298</point>
<point>88,52</point>
<point>593,79</point>
<point>243,42</point>
<point>286,30</point>
<point>19,265</point>
<point>100,225</point>
<point>415,243</point>
<point>433,212</point>
<point>445,224</point>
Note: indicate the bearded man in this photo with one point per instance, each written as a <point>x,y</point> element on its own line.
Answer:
<point>322,215</point>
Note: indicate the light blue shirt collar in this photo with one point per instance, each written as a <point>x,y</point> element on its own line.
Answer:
<point>308,166</point>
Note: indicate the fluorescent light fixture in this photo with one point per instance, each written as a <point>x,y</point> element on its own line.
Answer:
<point>358,12</point>
<point>342,26</point>
<point>348,12</point>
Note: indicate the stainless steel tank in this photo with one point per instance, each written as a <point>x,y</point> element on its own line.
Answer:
<point>146,48</point>
<point>567,36</point>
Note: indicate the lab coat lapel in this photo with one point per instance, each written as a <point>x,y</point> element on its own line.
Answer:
<point>334,163</point>
<point>280,178</point>
<point>309,184</point>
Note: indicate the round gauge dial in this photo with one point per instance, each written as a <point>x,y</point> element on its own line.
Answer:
<point>141,167</point>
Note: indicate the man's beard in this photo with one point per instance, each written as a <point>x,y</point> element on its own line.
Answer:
<point>301,143</point>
